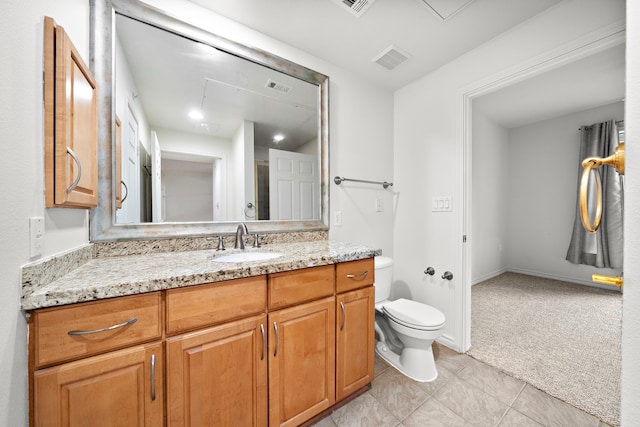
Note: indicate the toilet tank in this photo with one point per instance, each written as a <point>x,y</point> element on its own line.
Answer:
<point>384,271</point>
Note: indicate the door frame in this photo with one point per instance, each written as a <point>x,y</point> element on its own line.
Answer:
<point>590,44</point>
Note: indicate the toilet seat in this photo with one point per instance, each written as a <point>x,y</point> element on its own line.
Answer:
<point>413,314</point>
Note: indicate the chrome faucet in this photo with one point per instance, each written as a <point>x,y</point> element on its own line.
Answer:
<point>240,232</point>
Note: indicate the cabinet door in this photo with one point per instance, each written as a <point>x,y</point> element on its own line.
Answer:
<point>354,340</point>
<point>218,376</point>
<point>301,362</point>
<point>121,388</point>
<point>71,123</point>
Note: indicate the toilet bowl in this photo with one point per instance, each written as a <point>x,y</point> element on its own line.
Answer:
<point>406,328</point>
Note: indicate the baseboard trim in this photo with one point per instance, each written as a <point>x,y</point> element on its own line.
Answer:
<point>488,276</point>
<point>448,341</point>
<point>569,279</point>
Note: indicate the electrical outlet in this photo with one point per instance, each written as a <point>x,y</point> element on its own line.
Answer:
<point>36,236</point>
<point>337,218</point>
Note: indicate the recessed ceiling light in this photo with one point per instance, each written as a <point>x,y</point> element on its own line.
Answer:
<point>277,138</point>
<point>195,115</point>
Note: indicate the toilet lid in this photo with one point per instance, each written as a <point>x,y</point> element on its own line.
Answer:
<point>414,314</point>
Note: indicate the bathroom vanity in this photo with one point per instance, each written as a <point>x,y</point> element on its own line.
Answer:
<point>181,339</point>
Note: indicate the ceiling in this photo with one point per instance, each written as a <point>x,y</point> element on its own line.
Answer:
<point>587,83</point>
<point>328,31</point>
<point>174,76</point>
<point>431,33</point>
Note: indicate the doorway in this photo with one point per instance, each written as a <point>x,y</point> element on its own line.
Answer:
<point>520,192</point>
<point>525,76</point>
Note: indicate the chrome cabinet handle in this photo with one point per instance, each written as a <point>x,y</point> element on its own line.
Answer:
<point>353,276</point>
<point>264,341</point>
<point>77,160</point>
<point>344,315</point>
<point>108,328</point>
<point>275,328</point>
<point>126,191</point>
<point>447,275</point>
<point>430,271</point>
<point>153,377</point>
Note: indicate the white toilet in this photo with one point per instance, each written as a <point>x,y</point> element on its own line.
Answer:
<point>406,328</point>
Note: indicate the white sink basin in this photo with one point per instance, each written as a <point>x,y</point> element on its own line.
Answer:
<point>247,256</point>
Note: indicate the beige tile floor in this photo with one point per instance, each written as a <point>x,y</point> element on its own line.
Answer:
<point>466,393</point>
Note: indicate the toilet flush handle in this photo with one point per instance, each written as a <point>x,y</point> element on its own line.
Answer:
<point>447,275</point>
<point>430,271</point>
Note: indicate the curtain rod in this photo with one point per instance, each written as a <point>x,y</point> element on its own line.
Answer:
<point>617,122</point>
<point>338,180</point>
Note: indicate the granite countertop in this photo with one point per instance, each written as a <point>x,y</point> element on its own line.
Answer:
<point>109,277</point>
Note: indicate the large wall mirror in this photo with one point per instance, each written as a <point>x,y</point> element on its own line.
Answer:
<point>198,132</point>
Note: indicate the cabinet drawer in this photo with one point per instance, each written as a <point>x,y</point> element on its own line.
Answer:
<point>293,287</point>
<point>354,274</point>
<point>203,305</point>
<point>70,332</point>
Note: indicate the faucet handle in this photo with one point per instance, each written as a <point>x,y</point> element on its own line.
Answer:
<point>256,240</point>
<point>220,244</point>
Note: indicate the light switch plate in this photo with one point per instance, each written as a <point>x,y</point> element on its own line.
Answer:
<point>36,236</point>
<point>442,204</point>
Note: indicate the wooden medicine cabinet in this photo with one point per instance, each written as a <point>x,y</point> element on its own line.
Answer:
<point>70,123</point>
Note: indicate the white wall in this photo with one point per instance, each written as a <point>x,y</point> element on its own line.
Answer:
<point>490,197</point>
<point>237,178</point>
<point>126,100</point>
<point>182,145</point>
<point>630,387</point>
<point>22,177</point>
<point>428,150</point>
<point>192,144</point>
<point>523,211</point>
<point>543,196</point>
<point>188,190</point>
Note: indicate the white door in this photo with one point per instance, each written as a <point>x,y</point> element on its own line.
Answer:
<point>294,186</point>
<point>130,211</point>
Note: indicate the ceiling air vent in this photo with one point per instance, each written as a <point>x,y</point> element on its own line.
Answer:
<point>278,87</point>
<point>391,57</point>
<point>355,7</point>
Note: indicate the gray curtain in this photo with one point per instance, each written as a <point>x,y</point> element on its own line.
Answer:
<point>604,247</point>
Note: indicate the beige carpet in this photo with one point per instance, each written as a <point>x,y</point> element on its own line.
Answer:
<point>560,337</point>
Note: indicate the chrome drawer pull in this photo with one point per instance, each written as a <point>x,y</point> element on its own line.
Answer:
<point>344,315</point>
<point>353,276</point>
<point>264,341</point>
<point>108,328</point>
<point>275,328</point>
<point>153,377</point>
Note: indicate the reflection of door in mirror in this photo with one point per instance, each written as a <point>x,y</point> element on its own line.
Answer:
<point>130,211</point>
<point>293,180</point>
<point>118,154</point>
